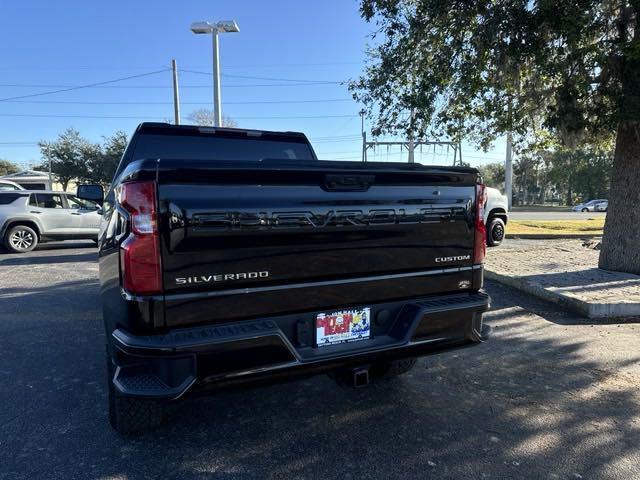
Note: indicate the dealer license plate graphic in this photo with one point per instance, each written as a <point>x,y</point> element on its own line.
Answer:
<point>343,326</point>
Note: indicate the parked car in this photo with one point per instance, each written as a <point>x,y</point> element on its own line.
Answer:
<point>231,256</point>
<point>495,216</point>
<point>600,205</point>
<point>30,217</point>
<point>9,186</point>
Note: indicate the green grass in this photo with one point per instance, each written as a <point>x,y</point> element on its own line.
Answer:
<point>592,226</point>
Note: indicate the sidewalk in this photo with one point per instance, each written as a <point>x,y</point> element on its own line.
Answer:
<point>566,273</point>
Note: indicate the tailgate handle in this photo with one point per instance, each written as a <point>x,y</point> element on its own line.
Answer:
<point>350,183</point>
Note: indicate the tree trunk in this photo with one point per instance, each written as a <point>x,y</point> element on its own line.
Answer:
<point>620,250</point>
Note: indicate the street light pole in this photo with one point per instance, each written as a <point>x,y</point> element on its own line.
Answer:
<point>217,107</point>
<point>225,26</point>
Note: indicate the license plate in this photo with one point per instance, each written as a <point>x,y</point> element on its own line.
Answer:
<point>343,326</point>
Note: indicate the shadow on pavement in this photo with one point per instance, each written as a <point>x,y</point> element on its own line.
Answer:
<point>532,405</point>
<point>27,259</point>
<point>64,245</point>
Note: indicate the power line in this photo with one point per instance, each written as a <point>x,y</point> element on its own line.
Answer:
<point>145,67</point>
<point>147,87</point>
<point>35,115</point>
<point>208,102</point>
<point>142,117</point>
<point>337,136</point>
<point>250,77</point>
<point>336,141</point>
<point>78,87</point>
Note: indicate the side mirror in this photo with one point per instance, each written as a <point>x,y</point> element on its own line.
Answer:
<point>93,192</point>
<point>99,211</point>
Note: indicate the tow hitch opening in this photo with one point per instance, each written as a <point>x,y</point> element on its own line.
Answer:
<point>360,377</point>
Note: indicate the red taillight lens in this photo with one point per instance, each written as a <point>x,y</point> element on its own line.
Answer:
<point>140,251</point>
<point>480,242</point>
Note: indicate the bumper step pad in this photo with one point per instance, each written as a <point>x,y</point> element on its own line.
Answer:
<point>166,366</point>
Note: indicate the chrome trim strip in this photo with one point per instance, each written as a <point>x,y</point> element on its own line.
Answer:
<point>275,288</point>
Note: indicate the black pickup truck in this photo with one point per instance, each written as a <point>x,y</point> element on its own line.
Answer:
<point>232,256</point>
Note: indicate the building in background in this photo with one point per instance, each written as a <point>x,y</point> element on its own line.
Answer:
<point>30,180</point>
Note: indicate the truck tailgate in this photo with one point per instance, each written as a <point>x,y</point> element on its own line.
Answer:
<point>254,239</point>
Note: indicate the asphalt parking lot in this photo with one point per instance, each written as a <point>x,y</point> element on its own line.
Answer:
<point>550,396</point>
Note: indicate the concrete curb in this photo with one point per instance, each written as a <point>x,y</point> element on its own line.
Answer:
<point>587,309</point>
<point>537,291</point>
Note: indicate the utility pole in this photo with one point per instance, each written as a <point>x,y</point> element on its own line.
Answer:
<point>50,175</point>
<point>508,171</point>
<point>364,136</point>
<point>176,93</point>
<point>411,147</point>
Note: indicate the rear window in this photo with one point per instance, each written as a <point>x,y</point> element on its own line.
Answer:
<point>7,198</point>
<point>196,147</point>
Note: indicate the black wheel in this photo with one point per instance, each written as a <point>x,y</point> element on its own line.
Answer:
<point>21,239</point>
<point>495,231</point>
<point>585,210</point>
<point>129,416</point>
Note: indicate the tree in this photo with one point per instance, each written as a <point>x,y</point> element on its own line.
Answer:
<point>204,117</point>
<point>583,173</point>
<point>7,167</point>
<point>103,160</point>
<point>493,174</point>
<point>525,177</point>
<point>566,69</point>
<point>67,156</point>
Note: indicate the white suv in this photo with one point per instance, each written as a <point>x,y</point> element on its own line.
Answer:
<point>29,217</point>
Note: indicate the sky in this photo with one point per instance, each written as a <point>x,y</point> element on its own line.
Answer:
<point>283,71</point>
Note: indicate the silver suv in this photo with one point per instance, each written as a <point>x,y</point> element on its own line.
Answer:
<point>27,218</point>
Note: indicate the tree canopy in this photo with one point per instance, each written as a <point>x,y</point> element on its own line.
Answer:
<point>563,72</point>
<point>76,158</point>
<point>67,156</point>
<point>205,118</point>
<point>7,167</point>
<point>544,70</point>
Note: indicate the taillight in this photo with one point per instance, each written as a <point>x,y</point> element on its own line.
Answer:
<point>480,242</point>
<point>140,251</point>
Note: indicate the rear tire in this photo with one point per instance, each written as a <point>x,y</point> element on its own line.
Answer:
<point>584,210</point>
<point>128,415</point>
<point>20,239</point>
<point>495,231</point>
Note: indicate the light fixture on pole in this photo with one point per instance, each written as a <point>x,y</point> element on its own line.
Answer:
<point>224,26</point>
